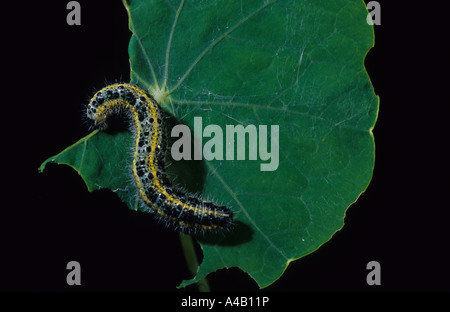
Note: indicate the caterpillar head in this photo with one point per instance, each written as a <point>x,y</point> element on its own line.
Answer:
<point>97,114</point>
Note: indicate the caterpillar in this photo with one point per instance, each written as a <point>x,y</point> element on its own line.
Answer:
<point>180,210</point>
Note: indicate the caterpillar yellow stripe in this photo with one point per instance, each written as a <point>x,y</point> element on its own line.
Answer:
<point>181,211</point>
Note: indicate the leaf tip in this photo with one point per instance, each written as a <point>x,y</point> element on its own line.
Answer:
<point>44,164</point>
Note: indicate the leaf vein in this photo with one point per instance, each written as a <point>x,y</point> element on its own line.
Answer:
<point>169,44</point>
<point>215,42</point>
<point>271,108</point>
<point>241,206</point>
<point>141,45</point>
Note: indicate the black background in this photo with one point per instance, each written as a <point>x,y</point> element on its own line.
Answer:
<point>46,220</point>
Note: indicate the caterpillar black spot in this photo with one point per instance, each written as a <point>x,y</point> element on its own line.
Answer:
<point>183,212</point>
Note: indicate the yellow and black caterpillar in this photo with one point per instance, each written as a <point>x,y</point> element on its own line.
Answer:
<point>183,212</point>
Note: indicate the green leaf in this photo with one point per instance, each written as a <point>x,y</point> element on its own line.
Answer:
<point>99,160</point>
<point>296,64</point>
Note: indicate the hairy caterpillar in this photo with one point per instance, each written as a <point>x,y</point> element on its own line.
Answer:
<point>183,212</point>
